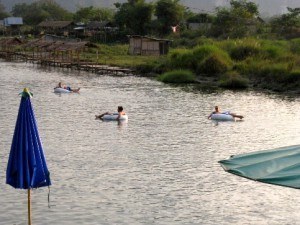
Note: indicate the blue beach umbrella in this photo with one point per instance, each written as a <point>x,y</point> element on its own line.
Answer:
<point>280,166</point>
<point>27,168</point>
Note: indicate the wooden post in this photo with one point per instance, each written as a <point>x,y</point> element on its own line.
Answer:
<point>29,208</point>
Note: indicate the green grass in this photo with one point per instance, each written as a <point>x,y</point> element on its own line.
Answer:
<point>116,55</point>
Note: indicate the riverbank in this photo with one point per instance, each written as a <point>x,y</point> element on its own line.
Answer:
<point>230,64</point>
<point>272,65</point>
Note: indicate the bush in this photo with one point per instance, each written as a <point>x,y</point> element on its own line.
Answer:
<point>295,46</point>
<point>202,52</point>
<point>271,52</point>
<point>233,80</point>
<point>177,76</point>
<point>181,59</point>
<point>242,52</point>
<point>214,65</point>
<point>211,60</point>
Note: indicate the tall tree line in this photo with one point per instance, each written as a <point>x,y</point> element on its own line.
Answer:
<point>157,18</point>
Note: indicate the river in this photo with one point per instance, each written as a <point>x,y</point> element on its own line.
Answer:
<point>161,167</point>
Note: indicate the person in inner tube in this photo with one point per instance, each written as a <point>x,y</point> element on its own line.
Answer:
<point>61,85</point>
<point>120,113</point>
<point>217,111</point>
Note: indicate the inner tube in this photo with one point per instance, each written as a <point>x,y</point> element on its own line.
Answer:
<point>114,117</point>
<point>222,117</point>
<point>61,90</point>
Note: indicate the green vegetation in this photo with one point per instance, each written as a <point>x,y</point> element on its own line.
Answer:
<point>233,80</point>
<point>39,11</point>
<point>177,76</point>
<point>117,55</point>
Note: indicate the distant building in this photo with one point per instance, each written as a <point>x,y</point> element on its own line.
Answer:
<point>13,21</point>
<point>12,25</point>
<point>199,26</point>
<point>103,25</point>
<point>142,45</point>
<point>56,27</point>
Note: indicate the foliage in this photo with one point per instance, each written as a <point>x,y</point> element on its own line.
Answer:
<point>205,59</point>
<point>233,80</point>
<point>182,58</point>
<point>211,60</point>
<point>242,51</point>
<point>134,16</point>
<point>213,65</point>
<point>287,24</point>
<point>169,13</point>
<point>177,76</point>
<point>234,22</point>
<point>200,18</point>
<point>295,46</point>
<point>3,13</point>
<point>39,11</point>
<point>91,13</point>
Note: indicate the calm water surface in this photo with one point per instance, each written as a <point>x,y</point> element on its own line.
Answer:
<point>159,168</point>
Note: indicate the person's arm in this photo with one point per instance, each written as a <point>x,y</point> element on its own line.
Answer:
<point>209,116</point>
<point>119,115</point>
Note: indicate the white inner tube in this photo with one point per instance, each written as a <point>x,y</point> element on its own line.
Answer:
<point>61,90</point>
<point>114,117</point>
<point>222,117</point>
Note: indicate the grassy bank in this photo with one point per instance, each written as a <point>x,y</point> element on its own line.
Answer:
<point>116,55</point>
<point>268,64</point>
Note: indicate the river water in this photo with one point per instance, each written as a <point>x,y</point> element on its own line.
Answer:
<point>161,167</point>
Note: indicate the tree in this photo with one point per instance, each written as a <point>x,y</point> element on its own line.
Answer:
<point>169,13</point>
<point>134,16</point>
<point>287,24</point>
<point>39,11</point>
<point>91,13</point>
<point>3,13</point>
<point>234,22</point>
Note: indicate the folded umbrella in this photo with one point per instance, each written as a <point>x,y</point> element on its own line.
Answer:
<point>27,168</point>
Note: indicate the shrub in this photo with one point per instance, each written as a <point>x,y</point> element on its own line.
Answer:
<point>233,80</point>
<point>271,52</point>
<point>242,52</point>
<point>202,52</point>
<point>177,76</point>
<point>213,65</point>
<point>295,46</point>
<point>181,58</point>
<point>211,60</point>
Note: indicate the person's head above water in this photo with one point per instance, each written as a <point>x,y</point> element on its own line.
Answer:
<point>217,108</point>
<point>120,108</point>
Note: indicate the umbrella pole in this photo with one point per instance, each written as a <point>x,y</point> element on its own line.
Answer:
<point>29,208</point>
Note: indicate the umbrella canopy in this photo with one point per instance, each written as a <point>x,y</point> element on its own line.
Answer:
<point>280,166</point>
<point>27,166</point>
